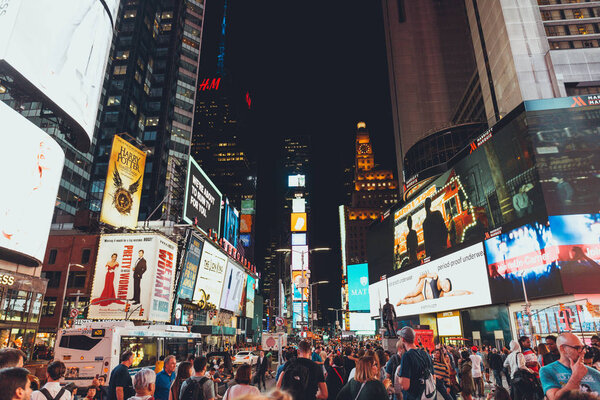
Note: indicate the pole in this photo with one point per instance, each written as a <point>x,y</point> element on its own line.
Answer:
<point>528,311</point>
<point>310,312</point>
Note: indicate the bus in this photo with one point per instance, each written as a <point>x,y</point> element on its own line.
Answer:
<point>94,348</point>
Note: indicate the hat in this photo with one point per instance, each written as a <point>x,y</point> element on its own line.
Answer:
<point>474,348</point>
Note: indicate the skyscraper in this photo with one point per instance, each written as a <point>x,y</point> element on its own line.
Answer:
<point>149,98</point>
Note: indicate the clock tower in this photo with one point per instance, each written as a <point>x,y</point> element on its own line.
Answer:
<point>365,160</point>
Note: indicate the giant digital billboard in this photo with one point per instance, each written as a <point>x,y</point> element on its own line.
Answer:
<point>361,324</point>
<point>123,189</point>
<point>299,285</point>
<point>211,273</point>
<point>298,222</point>
<point>300,257</point>
<point>250,291</point>
<point>61,48</point>
<point>189,271</point>
<point>31,163</point>
<point>299,314</point>
<point>231,224</point>
<point>495,184</point>
<point>233,285</point>
<point>134,269</point>
<point>458,280</point>
<point>202,205</point>
<point>358,287</point>
<point>525,254</point>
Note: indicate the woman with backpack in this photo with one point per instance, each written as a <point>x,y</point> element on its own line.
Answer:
<point>365,385</point>
<point>243,377</point>
<point>336,375</point>
<point>184,371</point>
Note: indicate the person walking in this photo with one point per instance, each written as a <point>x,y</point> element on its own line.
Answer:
<point>336,376</point>
<point>120,386</point>
<point>476,372</point>
<point>441,371</point>
<point>302,377</point>
<point>569,373</point>
<point>515,360</point>
<point>184,371</point>
<point>191,387</point>
<point>243,377</point>
<point>144,383</point>
<point>261,370</point>
<point>414,365</point>
<point>365,385</point>
<point>466,378</point>
<point>165,378</point>
<point>52,389</point>
<point>495,361</point>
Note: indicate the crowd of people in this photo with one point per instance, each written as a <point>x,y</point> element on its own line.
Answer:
<point>561,368</point>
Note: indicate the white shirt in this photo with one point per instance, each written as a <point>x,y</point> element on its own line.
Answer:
<point>53,388</point>
<point>238,390</point>
<point>476,365</point>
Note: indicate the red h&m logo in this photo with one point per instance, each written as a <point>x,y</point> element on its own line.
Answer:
<point>210,84</point>
<point>578,102</point>
<point>248,100</point>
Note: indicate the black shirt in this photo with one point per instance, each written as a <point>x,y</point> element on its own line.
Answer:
<point>315,373</point>
<point>550,358</point>
<point>349,365</point>
<point>336,378</point>
<point>412,366</point>
<point>119,377</point>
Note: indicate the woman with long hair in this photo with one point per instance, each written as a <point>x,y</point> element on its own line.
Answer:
<point>243,377</point>
<point>365,384</point>
<point>184,371</point>
<point>466,377</point>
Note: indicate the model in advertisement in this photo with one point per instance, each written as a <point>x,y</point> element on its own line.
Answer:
<point>138,271</point>
<point>412,242</point>
<point>108,295</point>
<point>429,287</point>
<point>435,232</point>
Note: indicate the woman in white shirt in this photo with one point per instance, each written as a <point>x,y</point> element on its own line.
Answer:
<point>515,360</point>
<point>243,377</point>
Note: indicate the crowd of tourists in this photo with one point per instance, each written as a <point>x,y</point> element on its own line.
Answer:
<point>560,368</point>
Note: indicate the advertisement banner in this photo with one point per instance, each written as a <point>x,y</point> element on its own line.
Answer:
<point>134,269</point>
<point>202,202</point>
<point>32,164</point>
<point>298,239</point>
<point>65,61</point>
<point>458,280</point>
<point>231,224</point>
<point>246,239</point>
<point>297,314</point>
<point>246,223</point>
<point>298,222</point>
<point>211,273</point>
<point>189,272</point>
<point>123,189</point>
<point>361,324</point>
<point>232,288</point>
<point>250,290</point>
<point>358,287</point>
<point>300,257</point>
<point>299,280</point>
<point>248,206</point>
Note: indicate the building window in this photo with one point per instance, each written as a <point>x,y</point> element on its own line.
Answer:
<point>122,55</point>
<point>133,107</point>
<point>52,256</point>
<point>48,306</point>
<point>53,278</point>
<point>113,101</point>
<point>76,279</point>
<point>120,70</point>
<point>85,256</point>
<point>130,14</point>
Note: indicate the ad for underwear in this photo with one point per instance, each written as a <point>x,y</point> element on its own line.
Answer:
<point>456,281</point>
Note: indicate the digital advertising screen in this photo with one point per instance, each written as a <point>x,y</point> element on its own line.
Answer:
<point>245,223</point>
<point>358,287</point>
<point>65,61</point>
<point>300,257</point>
<point>138,269</point>
<point>123,189</point>
<point>246,239</point>
<point>231,226</point>
<point>298,222</point>
<point>250,291</point>
<point>297,314</point>
<point>296,180</point>
<point>202,205</point>
<point>298,239</point>
<point>189,272</point>
<point>464,203</point>
<point>211,274</point>
<point>529,253</point>
<point>458,280</point>
<point>233,285</point>
<point>299,279</point>
<point>362,324</point>
<point>298,205</point>
<point>248,206</point>
<point>32,164</point>
<point>577,238</point>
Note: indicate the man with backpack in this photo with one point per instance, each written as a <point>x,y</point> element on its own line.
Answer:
<point>415,374</point>
<point>198,386</point>
<point>302,377</point>
<point>52,389</point>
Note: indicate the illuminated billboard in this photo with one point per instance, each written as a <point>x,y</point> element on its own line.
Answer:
<point>250,291</point>
<point>298,239</point>
<point>189,271</point>
<point>248,206</point>
<point>361,324</point>
<point>299,285</point>
<point>296,181</point>
<point>211,273</point>
<point>61,48</point>
<point>246,239</point>
<point>298,222</point>
<point>123,189</point>
<point>297,314</point>
<point>202,202</point>
<point>31,163</point>
<point>358,287</point>
<point>245,223</point>
<point>231,224</point>
<point>300,257</point>
<point>298,205</point>
<point>233,286</point>
<point>134,269</point>
<point>458,280</point>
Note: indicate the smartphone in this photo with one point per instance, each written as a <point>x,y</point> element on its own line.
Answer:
<point>97,376</point>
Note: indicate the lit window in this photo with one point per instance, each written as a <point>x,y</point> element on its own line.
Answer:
<point>130,14</point>
<point>113,101</point>
<point>122,55</point>
<point>167,14</point>
<point>120,70</point>
<point>582,29</point>
<point>133,107</point>
<point>152,121</point>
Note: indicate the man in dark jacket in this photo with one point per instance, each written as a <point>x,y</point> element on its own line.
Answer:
<point>495,361</point>
<point>138,271</point>
<point>336,376</point>
<point>261,370</point>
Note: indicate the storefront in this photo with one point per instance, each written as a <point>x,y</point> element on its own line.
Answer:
<point>20,306</point>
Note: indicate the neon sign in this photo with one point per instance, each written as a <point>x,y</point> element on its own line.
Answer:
<point>209,84</point>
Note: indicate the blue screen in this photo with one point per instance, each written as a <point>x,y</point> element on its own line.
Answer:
<point>358,287</point>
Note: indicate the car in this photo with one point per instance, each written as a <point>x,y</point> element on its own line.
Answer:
<point>245,357</point>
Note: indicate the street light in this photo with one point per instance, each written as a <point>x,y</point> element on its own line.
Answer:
<point>310,300</point>
<point>336,314</point>
<point>65,290</point>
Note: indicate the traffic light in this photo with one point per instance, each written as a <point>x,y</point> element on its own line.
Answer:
<point>127,307</point>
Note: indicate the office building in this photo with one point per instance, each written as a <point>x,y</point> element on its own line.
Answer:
<point>149,95</point>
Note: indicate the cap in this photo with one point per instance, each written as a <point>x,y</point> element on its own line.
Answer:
<point>474,348</point>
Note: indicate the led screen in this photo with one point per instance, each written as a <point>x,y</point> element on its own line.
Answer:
<point>300,257</point>
<point>233,286</point>
<point>526,252</point>
<point>211,273</point>
<point>189,271</point>
<point>358,287</point>
<point>61,47</point>
<point>246,239</point>
<point>31,163</point>
<point>298,239</point>
<point>202,205</point>
<point>296,181</point>
<point>245,223</point>
<point>298,317</point>
<point>298,222</point>
<point>456,281</point>
<point>250,291</point>
<point>299,279</point>
<point>361,324</point>
<point>248,207</point>
<point>231,225</point>
<point>298,205</point>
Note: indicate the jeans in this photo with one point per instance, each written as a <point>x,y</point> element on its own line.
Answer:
<point>479,386</point>
<point>441,387</point>
<point>498,377</point>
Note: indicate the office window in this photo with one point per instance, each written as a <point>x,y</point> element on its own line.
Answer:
<point>85,256</point>
<point>53,278</point>
<point>133,107</point>
<point>48,306</point>
<point>52,256</point>
<point>76,279</point>
<point>130,14</point>
<point>113,100</point>
<point>120,70</point>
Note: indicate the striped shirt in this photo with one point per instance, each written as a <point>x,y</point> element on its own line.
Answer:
<point>440,369</point>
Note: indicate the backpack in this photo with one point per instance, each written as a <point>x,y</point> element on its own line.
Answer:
<point>193,389</point>
<point>526,386</point>
<point>46,393</point>
<point>296,380</point>
<point>427,379</point>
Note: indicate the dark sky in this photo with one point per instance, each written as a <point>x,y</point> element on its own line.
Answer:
<point>315,68</point>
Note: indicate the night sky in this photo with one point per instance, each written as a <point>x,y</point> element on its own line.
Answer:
<point>314,68</point>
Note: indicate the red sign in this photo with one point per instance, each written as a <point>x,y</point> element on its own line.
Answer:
<point>209,84</point>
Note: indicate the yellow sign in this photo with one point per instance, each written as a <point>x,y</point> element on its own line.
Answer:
<point>123,188</point>
<point>298,222</point>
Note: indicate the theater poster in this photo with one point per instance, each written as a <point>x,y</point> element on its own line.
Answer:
<point>123,189</point>
<point>133,278</point>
